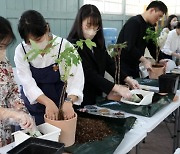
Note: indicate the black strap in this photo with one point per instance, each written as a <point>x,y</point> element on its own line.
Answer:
<point>25,53</point>
<point>23,49</point>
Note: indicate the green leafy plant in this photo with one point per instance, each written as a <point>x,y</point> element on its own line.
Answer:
<point>114,51</point>
<point>154,36</point>
<point>67,59</point>
<point>35,51</point>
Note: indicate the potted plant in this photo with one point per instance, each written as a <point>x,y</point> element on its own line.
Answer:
<point>154,36</point>
<point>114,51</point>
<point>68,58</point>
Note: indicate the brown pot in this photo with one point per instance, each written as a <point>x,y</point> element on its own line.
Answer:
<point>157,70</point>
<point>68,129</point>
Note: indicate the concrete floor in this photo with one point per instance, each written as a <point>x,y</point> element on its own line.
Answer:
<point>159,141</point>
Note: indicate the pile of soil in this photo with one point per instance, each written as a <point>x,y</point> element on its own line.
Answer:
<point>89,130</point>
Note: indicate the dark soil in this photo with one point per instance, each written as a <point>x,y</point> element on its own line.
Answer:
<point>89,130</point>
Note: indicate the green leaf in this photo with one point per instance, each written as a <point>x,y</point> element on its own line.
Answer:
<point>35,51</point>
<point>115,49</point>
<point>68,57</point>
<point>79,44</point>
<point>90,44</point>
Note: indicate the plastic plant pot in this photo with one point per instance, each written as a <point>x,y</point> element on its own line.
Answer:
<point>168,83</point>
<point>36,145</point>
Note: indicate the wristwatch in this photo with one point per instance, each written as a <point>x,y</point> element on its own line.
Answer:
<point>68,100</point>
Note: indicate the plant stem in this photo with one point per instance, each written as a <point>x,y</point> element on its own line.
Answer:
<point>61,101</point>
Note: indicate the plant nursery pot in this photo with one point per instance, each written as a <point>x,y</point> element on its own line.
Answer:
<point>49,132</point>
<point>35,145</point>
<point>168,83</point>
<point>68,129</point>
<point>157,70</point>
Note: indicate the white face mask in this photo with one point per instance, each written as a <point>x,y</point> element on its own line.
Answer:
<point>2,54</point>
<point>89,34</point>
<point>43,44</point>
<point>174,23</point>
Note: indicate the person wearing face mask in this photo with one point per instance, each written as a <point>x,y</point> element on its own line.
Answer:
<point>172,44</point>
<point>11,105</point>
<point>170,25</point>
<point>133,32</point>
<point>88,25</point>
<point>163,57</point>
<point>40,78</point>
<point>89,34</point>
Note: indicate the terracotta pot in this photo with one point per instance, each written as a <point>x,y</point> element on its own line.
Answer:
<point>157,70</point>
<point>68,129</point>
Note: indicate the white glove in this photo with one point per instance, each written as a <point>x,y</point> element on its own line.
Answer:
<point>17,117</point>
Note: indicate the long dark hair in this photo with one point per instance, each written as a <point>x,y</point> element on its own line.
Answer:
<point>6,31</point>
<point>92,12</point>
<point>32,22</point>
<point>168,23</point>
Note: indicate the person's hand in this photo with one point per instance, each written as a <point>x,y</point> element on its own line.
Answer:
<point>68,110</point>
<point>147,64</point>
<point>113,96</point>
<point>51,110</point>
<point>133,84</point>
<point>122,90</point>
<point>178,55</point>
<point>24,120</point>
<point>163,61</point>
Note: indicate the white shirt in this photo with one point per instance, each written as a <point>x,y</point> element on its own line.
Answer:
<point>162,38</point>
<point>172,43</point>
<point>75,83</point>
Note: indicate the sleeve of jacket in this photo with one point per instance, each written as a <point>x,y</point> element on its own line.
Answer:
<point>91,75</point>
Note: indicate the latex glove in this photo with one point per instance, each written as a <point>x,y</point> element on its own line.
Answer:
<point>25,120</point>
<point>133,84</point>
<point>122,91</point>
<point>51,110</point>
<point>68,110</point>
<point>21,118</point>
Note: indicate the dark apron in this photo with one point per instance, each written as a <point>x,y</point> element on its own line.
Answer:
<point>49,82</point>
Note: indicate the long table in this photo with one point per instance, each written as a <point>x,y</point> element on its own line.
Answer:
<point>145,125</point>
<point>141,128</point>
<point>131,139</point>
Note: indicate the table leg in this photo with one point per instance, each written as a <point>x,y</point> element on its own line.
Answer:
<point>178,133</point>
<point>175,130</point>
<point>138,149</point>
